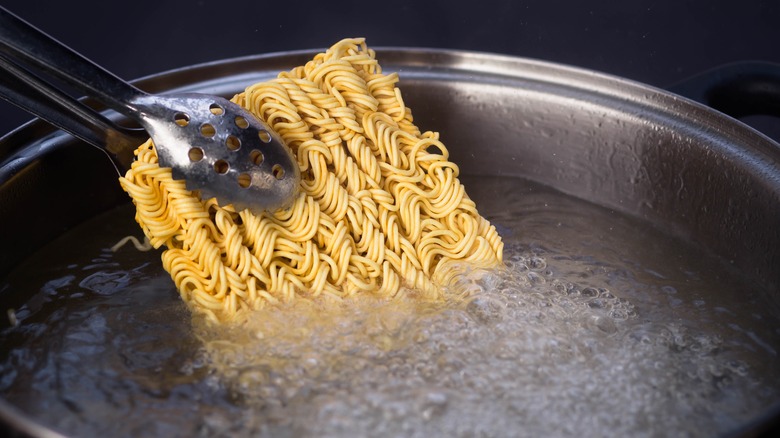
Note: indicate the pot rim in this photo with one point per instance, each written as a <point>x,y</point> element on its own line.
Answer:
<point>416,61</point>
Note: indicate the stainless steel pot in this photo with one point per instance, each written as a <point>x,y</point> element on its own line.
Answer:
<point>679,165</point>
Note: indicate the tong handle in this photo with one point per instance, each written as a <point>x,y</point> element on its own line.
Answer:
<point>31,93</point>
<point>28,45</point>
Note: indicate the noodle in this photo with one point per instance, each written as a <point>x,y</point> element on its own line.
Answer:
<point>380,208</point>
<point>139,246</point>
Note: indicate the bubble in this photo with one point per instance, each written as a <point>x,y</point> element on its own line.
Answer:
<point>606,325</point>
<point>537,263</point>
<point>486,309</point>
<point>589,292</point>
<point>434,404</point>
<point>535,278</point>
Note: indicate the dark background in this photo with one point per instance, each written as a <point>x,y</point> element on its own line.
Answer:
<point>659,42</point>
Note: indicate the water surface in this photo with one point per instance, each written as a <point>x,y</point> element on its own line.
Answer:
<point>598,325</point>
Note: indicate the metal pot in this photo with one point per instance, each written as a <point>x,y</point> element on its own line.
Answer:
<point>679,165</point>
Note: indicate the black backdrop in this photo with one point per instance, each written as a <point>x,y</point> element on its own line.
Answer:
<point>658,42</point>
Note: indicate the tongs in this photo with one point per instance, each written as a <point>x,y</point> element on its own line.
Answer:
<point>214,145</point>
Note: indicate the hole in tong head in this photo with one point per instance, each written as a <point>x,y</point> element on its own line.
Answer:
<point>256,157</point>
<point>181,119</point>
<point>216,109</point>
<point>265,136</point>
<point>207,130</point>
<point>244,180</point>
<point>233,143</point>
<point>278,171</point>
<point>221,167</point>
<point>241,122</point>
<point>195,154</point>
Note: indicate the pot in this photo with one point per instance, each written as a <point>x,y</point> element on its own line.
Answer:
<point>671,162</point>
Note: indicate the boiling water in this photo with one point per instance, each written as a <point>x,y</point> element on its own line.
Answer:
<point>598,325</point>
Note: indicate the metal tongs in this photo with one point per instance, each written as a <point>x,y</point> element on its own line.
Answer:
<point>216,146</point>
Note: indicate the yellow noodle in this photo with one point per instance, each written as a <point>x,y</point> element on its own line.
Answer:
<point>381,208</point>
<point>139,246</point>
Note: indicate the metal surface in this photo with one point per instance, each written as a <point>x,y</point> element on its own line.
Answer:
<point>216,146</point>
<point>681,166</point>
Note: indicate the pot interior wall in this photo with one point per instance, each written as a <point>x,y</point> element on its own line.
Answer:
<point>701,179</point>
